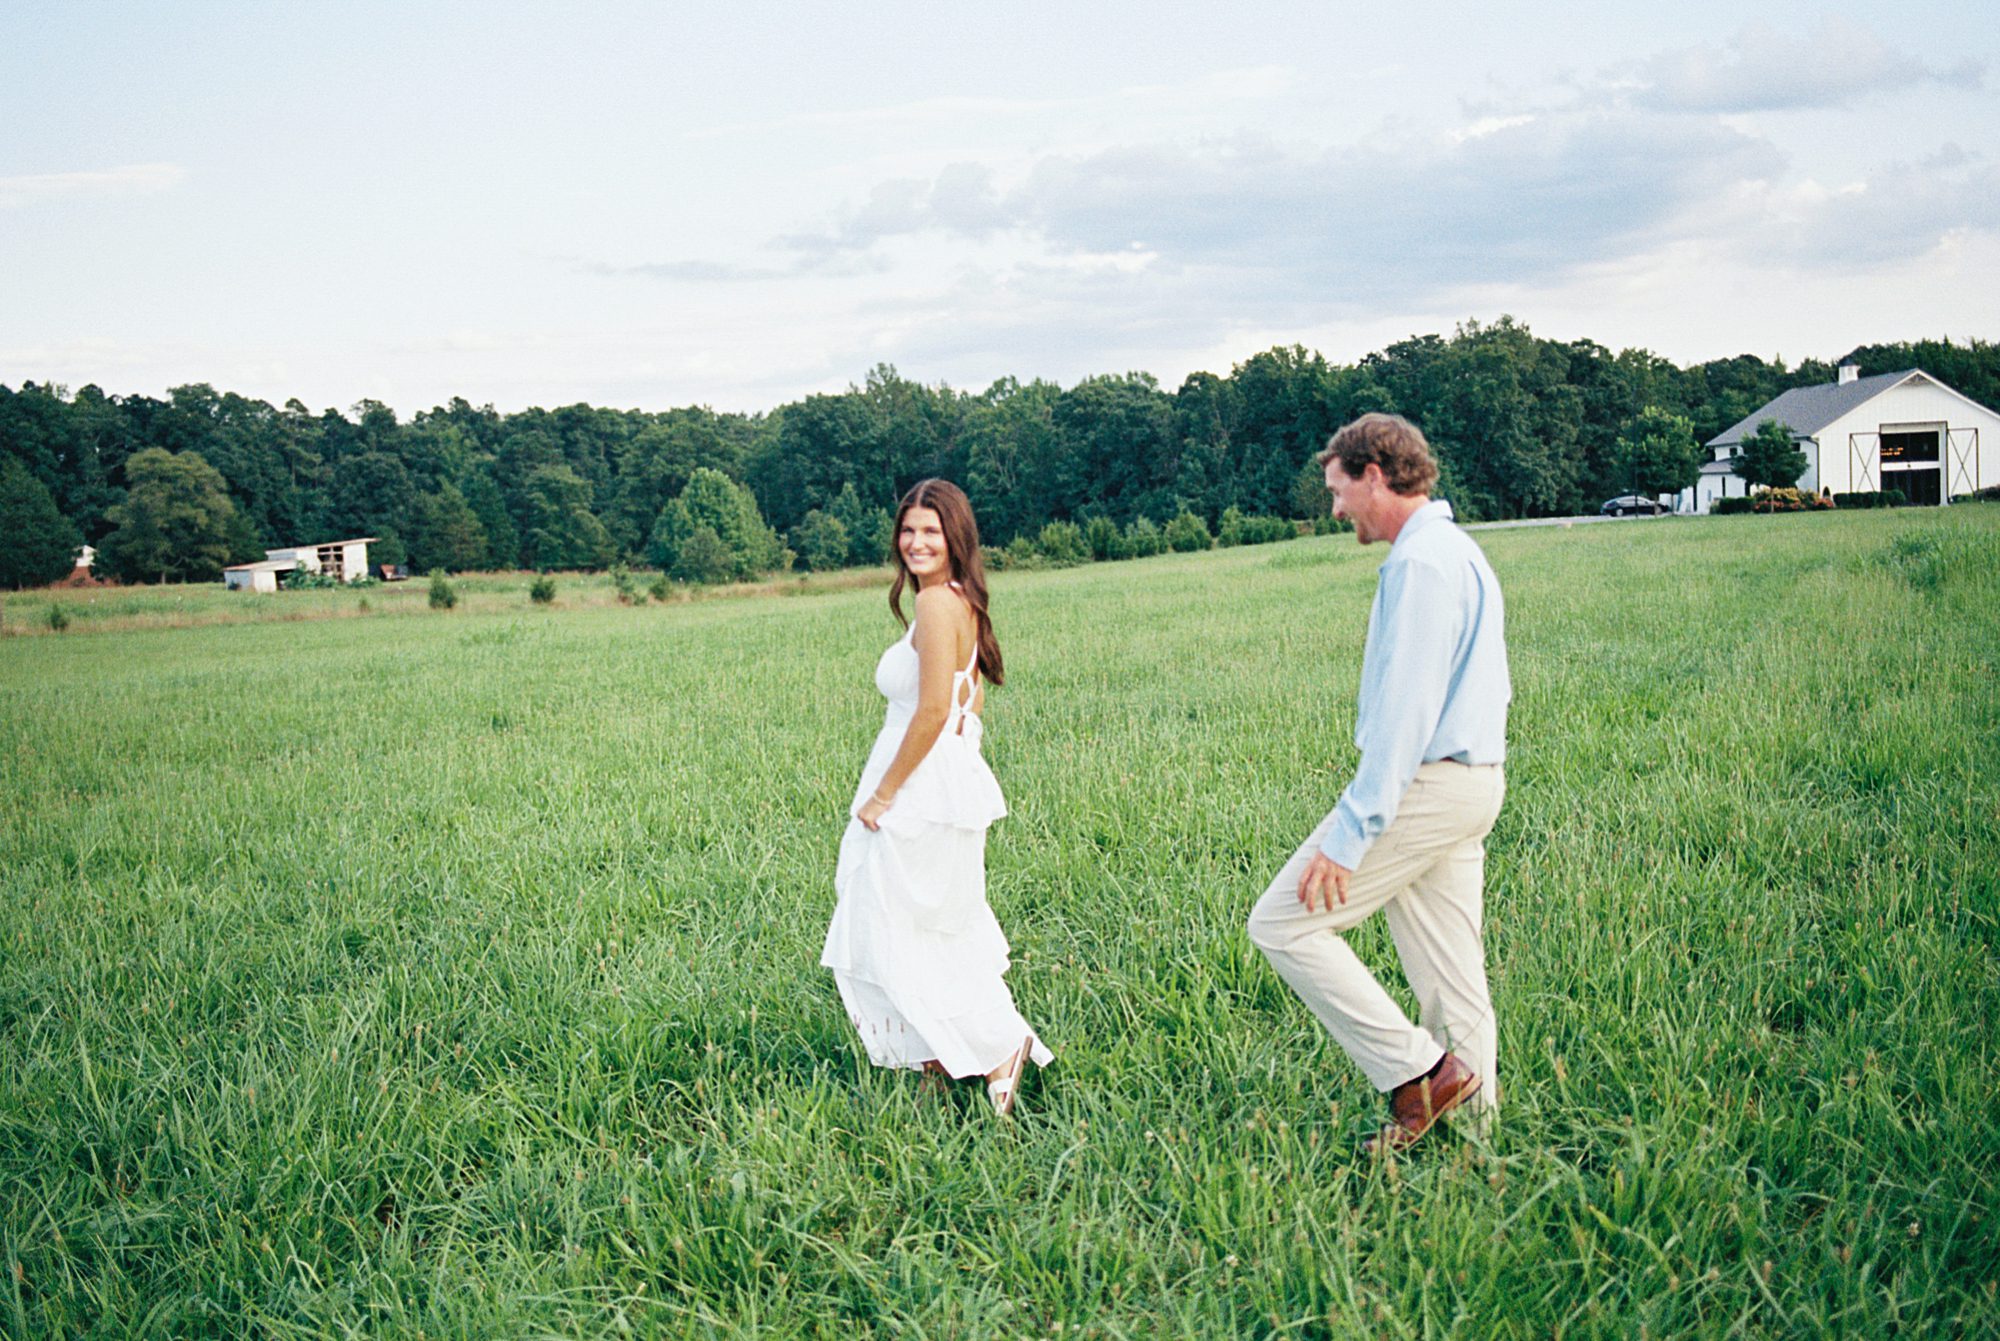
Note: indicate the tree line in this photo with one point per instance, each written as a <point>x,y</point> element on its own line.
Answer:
<point>1523,426</point>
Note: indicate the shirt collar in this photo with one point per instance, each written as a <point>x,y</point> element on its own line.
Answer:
<point>1435,510</point>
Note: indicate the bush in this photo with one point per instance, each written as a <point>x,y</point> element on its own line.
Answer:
<point>1105,540</point>
<point>623,584</point>
<point>705,558</point>
<point>1229,529</point>
<point>56,617</point>
<point>821,541</point>
<point>443,596</point>
<point>1062,544</point>
<point>302,578</point>
<point>1021,553</point>
<point>1726,507</point>
<point>662,587</point>
<point>1187,533</point>
<point>1328,524</point>
<point>1143,539</point>
<point>1789,500</point>
<point>1872,498</point>
<point>1237,529</point>
<point>542,590</point>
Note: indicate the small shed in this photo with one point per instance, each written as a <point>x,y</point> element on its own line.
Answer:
<point>1901,430</point>
<point>259,576</point>
<point>343,560</point>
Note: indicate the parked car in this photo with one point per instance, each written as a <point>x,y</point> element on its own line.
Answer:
<point>1632,505</point>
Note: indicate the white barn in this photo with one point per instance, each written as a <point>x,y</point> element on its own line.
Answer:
<point>346,560</point>
<point>1900,430</point>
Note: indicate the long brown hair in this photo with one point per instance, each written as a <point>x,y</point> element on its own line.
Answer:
<point>961,542</point>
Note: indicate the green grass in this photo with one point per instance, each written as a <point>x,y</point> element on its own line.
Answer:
<point>125,609</point>
<point>456,975</point>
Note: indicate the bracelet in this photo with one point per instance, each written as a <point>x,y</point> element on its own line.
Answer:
<point>885,800</point>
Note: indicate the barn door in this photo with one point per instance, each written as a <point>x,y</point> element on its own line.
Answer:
<point>1863,452</point>
<point>1962,462</point>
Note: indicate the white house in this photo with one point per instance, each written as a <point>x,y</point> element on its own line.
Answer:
<point>1900,430</point>
<point>346,560</point>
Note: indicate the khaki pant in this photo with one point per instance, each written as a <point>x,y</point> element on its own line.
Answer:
<point>1425,874</point>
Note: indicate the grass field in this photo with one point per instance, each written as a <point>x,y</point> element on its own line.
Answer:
<point>455,975</point>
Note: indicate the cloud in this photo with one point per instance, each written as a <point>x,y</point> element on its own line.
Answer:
<point>134,179</point>
<point>1523,198</point>
<point>1762,69</point>
<point>1905,210</point>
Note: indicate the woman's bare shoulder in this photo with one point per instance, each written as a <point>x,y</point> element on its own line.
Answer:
<point>944,606</point>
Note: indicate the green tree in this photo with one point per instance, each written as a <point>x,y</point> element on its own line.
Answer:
<point>175,521</point>
<point>503,538</point>
<point>729,509</point>
<point>562,530</point>
<point>1656,453</point>
<point>1062,544</point>
<point>1308,499</point>
<point>704,557</point>
<point>821,542</point>
<point>670,532</point>
<point>1105,540</point>
<point>1143,538</point>
<point>448,533</point>
<point>1186,533</point>
<point>41,544</point>
<point>1770,458</point>
<point>868,538</point>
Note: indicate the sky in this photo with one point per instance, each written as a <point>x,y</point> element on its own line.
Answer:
<point>655,205</point>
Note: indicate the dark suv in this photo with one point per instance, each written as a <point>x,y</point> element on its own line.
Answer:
<point>1632,505</point>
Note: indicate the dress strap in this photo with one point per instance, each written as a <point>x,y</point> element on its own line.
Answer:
<point>964,679</point>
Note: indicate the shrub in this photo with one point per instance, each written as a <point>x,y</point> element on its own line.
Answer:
<point>1789,500</point>
<point>1725,507</point>
<point>623,584</point>
<point>821,541</point>
<point>1229,529</point>
<point>1872,498</point>
<point>662,587</point>
<point>542,590</point>
<point>1021,553</point>
<point>1062,544</point>
<point>443,595</point>
<point>1187,533</point>
<point>704,557</point>
<point>1237,529</point>
<point>302,578</point>
<point>1105,540</point>
<point>56,617</point>
<point>1328,524</point>
<point>1143,538</point>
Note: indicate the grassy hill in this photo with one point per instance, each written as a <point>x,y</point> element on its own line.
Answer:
<point>456,974</point>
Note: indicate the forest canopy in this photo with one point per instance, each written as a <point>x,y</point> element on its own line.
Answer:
<point>1523,426</point>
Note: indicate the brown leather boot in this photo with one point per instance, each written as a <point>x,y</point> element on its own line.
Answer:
<point>1416,1105</point>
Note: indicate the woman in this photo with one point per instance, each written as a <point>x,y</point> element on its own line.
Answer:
<point>914,947</point>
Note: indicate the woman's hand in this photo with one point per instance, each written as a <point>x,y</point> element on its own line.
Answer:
<point>872,810</point>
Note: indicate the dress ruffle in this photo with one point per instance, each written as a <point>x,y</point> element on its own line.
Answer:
<point>953,785</point>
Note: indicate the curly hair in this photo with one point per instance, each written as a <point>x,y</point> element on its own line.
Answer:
<point>1391,442</point>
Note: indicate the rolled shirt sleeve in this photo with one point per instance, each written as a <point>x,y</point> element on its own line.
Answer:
<point>1405,677</point>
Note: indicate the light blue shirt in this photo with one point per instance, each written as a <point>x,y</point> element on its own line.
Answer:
<point>1434,677</point>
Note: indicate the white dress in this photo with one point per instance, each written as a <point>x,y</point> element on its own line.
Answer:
<point>914,948</point>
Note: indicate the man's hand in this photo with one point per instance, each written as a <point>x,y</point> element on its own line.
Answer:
<point>1325,879</point>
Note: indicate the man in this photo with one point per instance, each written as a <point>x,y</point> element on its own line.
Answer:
<point>1408,836</point>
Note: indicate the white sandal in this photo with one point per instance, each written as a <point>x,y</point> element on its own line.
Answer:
<point>1005,1090</point>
